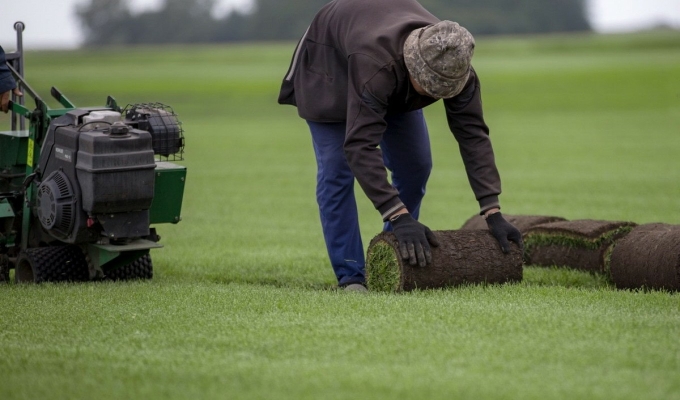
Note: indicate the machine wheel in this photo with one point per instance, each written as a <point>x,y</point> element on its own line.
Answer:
<point>51,264</point>
<point>141,268</point>
<point>4,268</point>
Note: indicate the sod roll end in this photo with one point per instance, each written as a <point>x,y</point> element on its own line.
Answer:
<point>648,257</point>
<point>462,257</point>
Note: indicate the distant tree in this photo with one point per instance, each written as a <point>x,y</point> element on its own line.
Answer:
<point>281,19</point>
<point>232,28</point>
<point>177,21</point>
<point>483,17</point>
<point>182,21</point>
<point>288,19</point>
<point>190,21</point>
<point>104,21</point>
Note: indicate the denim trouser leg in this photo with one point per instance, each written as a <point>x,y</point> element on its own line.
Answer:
<point>337,205</point>
<point>406,152</point>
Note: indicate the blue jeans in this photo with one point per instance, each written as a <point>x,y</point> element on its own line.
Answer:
<point>406,153</point>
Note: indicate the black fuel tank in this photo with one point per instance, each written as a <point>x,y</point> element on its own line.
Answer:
<point>115,170</point>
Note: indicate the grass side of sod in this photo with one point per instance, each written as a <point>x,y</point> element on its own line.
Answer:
<point>243,303</point>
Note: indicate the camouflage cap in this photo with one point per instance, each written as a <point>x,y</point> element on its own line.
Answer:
<point>438,58</point>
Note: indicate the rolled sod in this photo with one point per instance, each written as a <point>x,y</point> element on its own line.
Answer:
<point>462,257</point>
<point>648,257</point>
<point>580,244</point>
<point>521,222</point>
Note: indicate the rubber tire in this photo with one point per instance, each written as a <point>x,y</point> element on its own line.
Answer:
<point>4,269</point>
<point>141,268</point>
<point>51,264</point>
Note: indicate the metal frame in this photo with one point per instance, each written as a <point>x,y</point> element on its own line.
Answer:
<point>99,255</point>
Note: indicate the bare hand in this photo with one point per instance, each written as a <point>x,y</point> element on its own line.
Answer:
<point>4,99</point>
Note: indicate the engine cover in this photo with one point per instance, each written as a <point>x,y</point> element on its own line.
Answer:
<point>115,171</point>
<point>99,180</point>
<point>55,203</point>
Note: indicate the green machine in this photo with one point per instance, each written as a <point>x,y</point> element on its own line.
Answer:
<point>82,188</point>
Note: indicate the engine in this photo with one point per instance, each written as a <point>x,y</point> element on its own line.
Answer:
<point>95,177</point>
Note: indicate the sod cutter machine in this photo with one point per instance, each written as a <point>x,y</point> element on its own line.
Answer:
<point>81,188</point>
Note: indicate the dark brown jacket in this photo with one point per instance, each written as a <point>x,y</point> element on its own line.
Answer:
<point>6,80</point>
<point>349,67</point>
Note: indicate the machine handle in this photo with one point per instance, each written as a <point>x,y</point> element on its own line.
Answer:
<point>61,98</point>
<point>20,109</point>
<point>24,85</point>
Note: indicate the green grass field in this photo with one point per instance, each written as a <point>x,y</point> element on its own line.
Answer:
<point>243,303</point>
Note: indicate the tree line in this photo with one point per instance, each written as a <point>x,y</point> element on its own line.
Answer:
<point>107,22</point>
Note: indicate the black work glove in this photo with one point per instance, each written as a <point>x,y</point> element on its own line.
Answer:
<point>504,232</point>
<point>414,240</point>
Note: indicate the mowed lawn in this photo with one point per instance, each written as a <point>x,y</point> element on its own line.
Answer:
<point>243,303</point>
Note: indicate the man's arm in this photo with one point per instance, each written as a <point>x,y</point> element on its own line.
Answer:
<point>366,110</point>
<point>7,83</point>
<point>466,121</point>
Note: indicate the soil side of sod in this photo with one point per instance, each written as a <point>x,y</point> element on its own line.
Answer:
<point>521,222</point>
<point>462,257</point>
<point>648,257</point>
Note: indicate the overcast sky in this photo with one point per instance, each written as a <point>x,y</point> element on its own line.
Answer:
<point>52,23</point>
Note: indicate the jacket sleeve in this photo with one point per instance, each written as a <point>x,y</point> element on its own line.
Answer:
<point>466,121</point>
<point>6,79</point>
<point>366,109</point>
